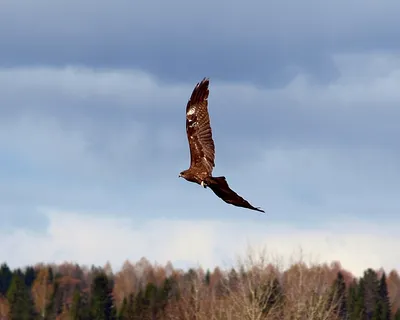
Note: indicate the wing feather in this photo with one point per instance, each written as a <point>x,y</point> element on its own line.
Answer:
<point>198,129</point>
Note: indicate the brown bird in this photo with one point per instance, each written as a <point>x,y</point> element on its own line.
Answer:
<point>202,149</point>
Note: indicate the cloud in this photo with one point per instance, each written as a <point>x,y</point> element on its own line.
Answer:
<point>78,237</point>
<point>260,42</point>
<point>358,109</point>
<point>110,140</point>
<point>304,113</point>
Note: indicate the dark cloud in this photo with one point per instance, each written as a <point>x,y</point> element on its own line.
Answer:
<point>114,141</point>
<point>303,101</point>
<point>302,127</point>
<point>266,43</point>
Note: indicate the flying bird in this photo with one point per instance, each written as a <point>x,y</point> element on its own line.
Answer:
<point>202,149</point>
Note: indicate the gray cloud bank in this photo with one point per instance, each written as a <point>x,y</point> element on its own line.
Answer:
<point>263,42</point>
<point>114,142</point>
<point>304,105</point>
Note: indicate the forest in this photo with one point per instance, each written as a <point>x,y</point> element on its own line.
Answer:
<point>257,287</point>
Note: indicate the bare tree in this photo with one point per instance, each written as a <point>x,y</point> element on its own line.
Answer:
<point>309,293</point>
<point>253,292</point>
<point>125,283</point>
<point>195,300</point>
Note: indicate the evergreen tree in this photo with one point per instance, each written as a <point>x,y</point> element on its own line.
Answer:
<point>52,309</point>
<point>207,277</point>
<point>122,310</point>
<point>51,274</point>
<point>371,287</point>
<point>102,302</point>
<point>150,302</point>
<point>383,309</point>
<point>56,300</point>
<point>151,299</point>
<point>29,276</point>
<point>352,298</point>
<point>75,305</point>
<point>19,272</point>
<point>139,306</point>
<point>339,296</point>
<point>5,278</point>
<point>167,291</point>
<point>358,301</point>
<point>128,311</point>
<point>79,308</point>
<point>19,298</point>
<point>131,308</point>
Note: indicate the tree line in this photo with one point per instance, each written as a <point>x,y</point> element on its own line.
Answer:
<point>255,289</point>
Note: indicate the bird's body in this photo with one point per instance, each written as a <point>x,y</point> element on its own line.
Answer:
<point>202,149</point>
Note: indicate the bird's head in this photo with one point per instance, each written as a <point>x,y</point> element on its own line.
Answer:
<point>184,174</point>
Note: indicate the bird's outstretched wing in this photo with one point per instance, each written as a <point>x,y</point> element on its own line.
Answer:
<point>220,187</point>
<point>198,129</point>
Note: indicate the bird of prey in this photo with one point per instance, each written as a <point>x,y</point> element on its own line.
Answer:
<point>202,149</point>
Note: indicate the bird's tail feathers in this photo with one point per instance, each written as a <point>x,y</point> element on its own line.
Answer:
<point>221,178</point>
<point>216,180</point>
<point>220,187</point>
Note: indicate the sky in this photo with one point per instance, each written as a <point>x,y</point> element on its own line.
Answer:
<point>304,106</point>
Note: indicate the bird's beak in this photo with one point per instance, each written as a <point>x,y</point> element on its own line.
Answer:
<point>179,176</point>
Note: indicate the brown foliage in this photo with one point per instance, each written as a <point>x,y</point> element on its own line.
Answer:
<point>42,291</point>
<point>257,288</point>
<point>125,282</point>
<point>4,308</point>
<point>393,284</point>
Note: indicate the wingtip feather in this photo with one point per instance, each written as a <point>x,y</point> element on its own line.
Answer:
<point>200,91</point>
